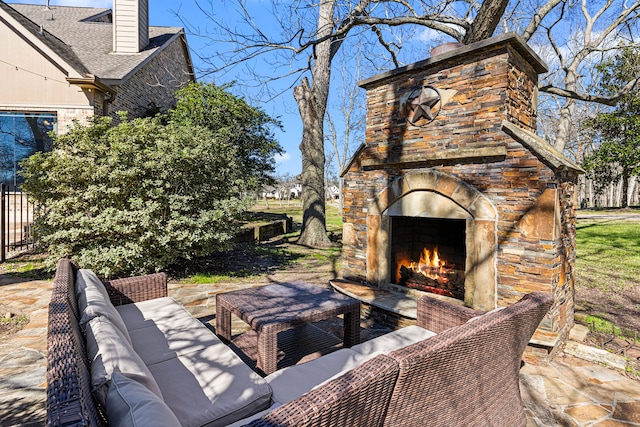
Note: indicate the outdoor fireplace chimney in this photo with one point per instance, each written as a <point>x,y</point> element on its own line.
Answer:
<point>452,160</point>
<point>130,25</point>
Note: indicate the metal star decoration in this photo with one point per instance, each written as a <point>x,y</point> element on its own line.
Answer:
<point>423,103</point>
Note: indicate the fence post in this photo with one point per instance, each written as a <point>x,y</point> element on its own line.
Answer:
<point>3,237</point>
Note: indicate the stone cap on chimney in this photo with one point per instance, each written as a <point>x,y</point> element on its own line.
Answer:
<point>513,39</point>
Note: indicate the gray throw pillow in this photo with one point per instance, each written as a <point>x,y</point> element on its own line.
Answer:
<point>109,352</point>
<point>130,404</point>
<point>93,301</point>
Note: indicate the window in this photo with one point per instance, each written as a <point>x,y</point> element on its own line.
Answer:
<point>21,135</point>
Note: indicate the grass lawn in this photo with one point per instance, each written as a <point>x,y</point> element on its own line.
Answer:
<point>294,210</point>
<point>250,261</point>
<point>608,254</point>
<point>608,273</point>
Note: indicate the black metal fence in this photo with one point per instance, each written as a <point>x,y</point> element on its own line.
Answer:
<point>16,221</point>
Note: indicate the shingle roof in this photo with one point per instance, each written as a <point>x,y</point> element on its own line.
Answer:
<point>57,45</point>
<point>77,35</point>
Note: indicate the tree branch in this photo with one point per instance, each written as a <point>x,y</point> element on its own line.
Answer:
<point>606,100</point>
<point>486,20</point>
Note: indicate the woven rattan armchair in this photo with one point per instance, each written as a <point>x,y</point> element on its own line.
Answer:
<point>358,398</point>
<point>466,375</point>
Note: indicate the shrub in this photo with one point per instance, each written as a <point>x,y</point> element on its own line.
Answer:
<point>136,197</point>
<point>247,128</point>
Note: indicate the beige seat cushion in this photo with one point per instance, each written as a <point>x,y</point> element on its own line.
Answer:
<point>86,278</point>
<point>211,387</point>
<point>166,340</point>
<point>130,404</point>
<point>109,352</point>
<point>394,340</point>
<point>152,312</point>
<point>292,382</point>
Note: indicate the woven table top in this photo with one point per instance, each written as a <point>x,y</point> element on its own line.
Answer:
<point>285,303</point>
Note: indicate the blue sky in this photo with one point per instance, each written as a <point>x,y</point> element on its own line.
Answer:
<point>161,13</point>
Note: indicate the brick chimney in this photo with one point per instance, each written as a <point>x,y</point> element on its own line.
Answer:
<point>130,25</point>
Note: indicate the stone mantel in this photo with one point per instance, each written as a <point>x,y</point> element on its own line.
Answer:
<point>423,159</point>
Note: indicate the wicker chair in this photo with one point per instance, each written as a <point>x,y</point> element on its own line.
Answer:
<point>358,398</point>
<point>466,375</point>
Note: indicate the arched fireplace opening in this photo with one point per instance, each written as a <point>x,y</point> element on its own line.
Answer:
<point>429,254</point>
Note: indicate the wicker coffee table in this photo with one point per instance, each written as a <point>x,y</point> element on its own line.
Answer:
<point>274,308</point>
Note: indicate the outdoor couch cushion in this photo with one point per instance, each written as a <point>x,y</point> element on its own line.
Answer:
<point>290,383</point>
<point>155,344</point>
<point>130,404</point>
<point>110,352</point>
<point>93,301</point>
<point>157,341</point>
<point>202,380</point>
<point>84,278</point>
<point>211,387</point>
<point>394,340</point>
<point>152,312</point>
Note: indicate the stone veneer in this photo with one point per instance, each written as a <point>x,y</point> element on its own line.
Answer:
<point>479,160</point>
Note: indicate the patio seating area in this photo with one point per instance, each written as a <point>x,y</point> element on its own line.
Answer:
<point>123,351</point>
<point>566,389</point>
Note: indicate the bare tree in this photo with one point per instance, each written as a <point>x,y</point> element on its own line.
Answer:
<point>345,132</point>
<point>309,35</point>
<point>345,128</point>
<point>573,36</point>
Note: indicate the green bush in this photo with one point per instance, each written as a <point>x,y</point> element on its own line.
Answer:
<point>247,128</point>
<point>136,197</point>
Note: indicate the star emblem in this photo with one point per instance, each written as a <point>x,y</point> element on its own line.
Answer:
<point>423,103</point>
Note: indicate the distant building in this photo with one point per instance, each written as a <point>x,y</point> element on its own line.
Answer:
<point>59,64</point>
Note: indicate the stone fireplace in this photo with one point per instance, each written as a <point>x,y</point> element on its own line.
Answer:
<point>453,194</point>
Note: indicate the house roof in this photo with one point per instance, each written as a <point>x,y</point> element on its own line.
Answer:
<point>83,38</point>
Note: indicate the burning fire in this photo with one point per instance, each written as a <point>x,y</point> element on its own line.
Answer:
<point>432,266</point>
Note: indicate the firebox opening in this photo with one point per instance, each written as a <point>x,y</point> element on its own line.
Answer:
<point>429,254</point>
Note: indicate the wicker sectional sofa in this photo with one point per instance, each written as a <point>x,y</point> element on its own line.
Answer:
<point>123,353</point>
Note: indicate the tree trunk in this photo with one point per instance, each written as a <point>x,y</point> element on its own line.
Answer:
<point>314,229</point>
<point>312,103</point>
<point>486,21</point>
<point>624,191</point>
<point>565,122</point>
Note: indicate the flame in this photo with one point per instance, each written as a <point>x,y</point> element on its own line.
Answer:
<point>431,265</point>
